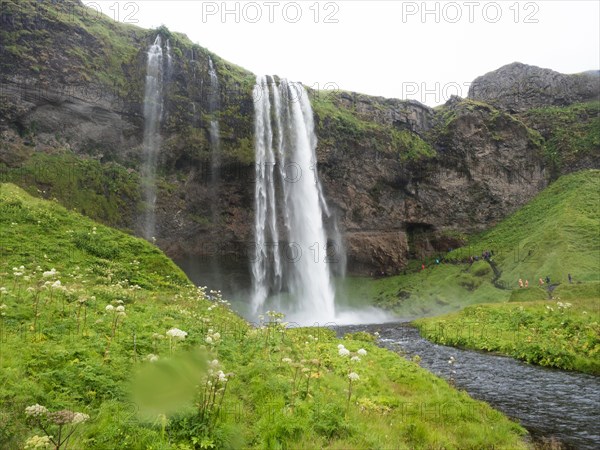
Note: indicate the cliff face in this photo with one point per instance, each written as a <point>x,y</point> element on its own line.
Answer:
<point>403,180</point>
<point>518,87</point>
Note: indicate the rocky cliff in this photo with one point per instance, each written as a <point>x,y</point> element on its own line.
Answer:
<point>518,87</point>
<point>404,180</point>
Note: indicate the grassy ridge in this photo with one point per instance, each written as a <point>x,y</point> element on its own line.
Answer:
<point>61,347</point>
<point>553,235</point>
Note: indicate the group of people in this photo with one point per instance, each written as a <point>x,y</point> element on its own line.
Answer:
<point>540,281</point>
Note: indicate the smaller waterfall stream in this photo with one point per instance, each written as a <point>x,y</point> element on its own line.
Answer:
<point>213,109</point>
<point>153,104</point>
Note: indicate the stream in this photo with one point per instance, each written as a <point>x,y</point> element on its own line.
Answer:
<point>551,404</point>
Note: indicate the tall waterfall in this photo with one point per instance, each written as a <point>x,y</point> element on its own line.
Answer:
<point>169,61</point>
<point>291,270</point>
<point>151,146</point>
<point>213,108</point>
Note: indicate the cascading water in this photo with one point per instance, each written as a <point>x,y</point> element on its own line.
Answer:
<point>169,61</point>
<point>151,146</point>
<point>214,105</point>
<point>213,108</point>
<point>293,273</point>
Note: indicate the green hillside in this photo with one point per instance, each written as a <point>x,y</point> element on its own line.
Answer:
<point>104,337</point>
<point>553,235</point>
<point>556,234</point>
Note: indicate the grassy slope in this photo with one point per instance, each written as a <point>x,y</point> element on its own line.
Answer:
<point>555,234</point>
<point>71,355</point>
<point>436,290</point>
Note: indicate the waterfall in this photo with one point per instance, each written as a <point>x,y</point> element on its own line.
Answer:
<point>169,61</point>
<point>214,105</point>
<point>151,145</point>
<point>291,271</point>
<point>213,109</point>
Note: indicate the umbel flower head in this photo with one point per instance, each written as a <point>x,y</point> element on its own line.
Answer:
<point>36,410</point>
<point>62,417</point>
<point>353,376</point>
<point>176,333</point>
<point>38,442</point>
<point>343,351</point>
<point>79,418</point>
<point>49,273</point>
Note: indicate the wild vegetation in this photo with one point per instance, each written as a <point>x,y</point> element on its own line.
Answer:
<point>556,324</point>
<point>89,314</point>
<point>563,332</point>
<point>570,132</point>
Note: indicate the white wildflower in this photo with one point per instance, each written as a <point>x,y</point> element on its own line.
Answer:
<point>208,340</point>
<point>355,359</point>
<point>176,333</point>
<point>38,442</point>
<point>344,352</point>
<point>120,308</point>
<point>362,352</point>
<point>49,273</point>
<point>79,418</point>
<point>286,360</point>
<point>109,307</point>
<point>353,376</point>
<point>36,410</point>
<point>340,346</point>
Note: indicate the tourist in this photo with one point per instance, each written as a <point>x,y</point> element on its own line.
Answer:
<point>541,282</point>
<point>570,279</point>
<point>520,283</point>
<point>547,279</point>
<point>526,283</point>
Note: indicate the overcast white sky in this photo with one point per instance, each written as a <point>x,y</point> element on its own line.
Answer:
<point>383,48</point>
